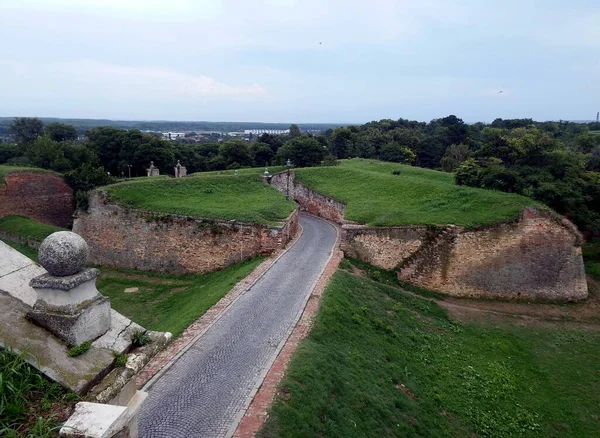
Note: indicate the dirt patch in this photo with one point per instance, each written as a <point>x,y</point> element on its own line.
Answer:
<point>177,289</point>
<point>357,271</point>
<point>113,274</point>
<point>584,315</point>
<point>406,391</point>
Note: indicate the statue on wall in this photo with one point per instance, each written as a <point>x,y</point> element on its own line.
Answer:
<point>152,171</point>
<point>180,171</point>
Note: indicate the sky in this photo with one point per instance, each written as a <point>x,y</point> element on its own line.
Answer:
<point>300,61</point>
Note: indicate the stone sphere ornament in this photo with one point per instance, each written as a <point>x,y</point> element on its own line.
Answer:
<point>63,253</point>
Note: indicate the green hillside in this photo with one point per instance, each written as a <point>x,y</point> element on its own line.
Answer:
<point>244,197</point>
<point>376,196</point>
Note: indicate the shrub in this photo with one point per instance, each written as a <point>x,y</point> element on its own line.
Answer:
<point>140,338</point>
<point>120,360</point>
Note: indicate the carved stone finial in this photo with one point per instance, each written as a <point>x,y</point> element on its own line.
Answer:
<point>63,253</point>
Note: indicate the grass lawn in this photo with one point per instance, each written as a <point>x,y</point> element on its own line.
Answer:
<point>30,404</point>
<point>380,362</point>
<point>244,197</point>
<point>5,170</point>
<point>245,171</point>
<point>591,257</point>
<point>27,228</point>
<point>375,196</point>
<point>166,302</point>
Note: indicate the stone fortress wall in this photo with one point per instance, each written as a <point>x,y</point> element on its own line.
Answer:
<point>149,241</point>
<point>42,196</point>
<point>537,257</point>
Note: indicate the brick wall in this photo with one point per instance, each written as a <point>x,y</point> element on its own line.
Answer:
<point>44,197</point>
<point>138,239</point>
<point>309,200</point>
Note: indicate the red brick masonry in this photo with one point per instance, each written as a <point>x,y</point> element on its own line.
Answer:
<point>44,197</point>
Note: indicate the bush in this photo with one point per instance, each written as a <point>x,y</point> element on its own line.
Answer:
<point>330,160</point>
<point>397,153</point>
<point>396,172</point>
<point>140,338</point>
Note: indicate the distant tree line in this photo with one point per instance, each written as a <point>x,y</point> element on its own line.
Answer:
<point>82,125</point>
<point>557,163</point>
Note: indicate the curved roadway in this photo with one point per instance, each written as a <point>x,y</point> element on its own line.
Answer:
<point>205,391</point>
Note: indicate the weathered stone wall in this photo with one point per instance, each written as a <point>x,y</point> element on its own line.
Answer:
<point>309,200</point>
<point>536,258</point>
<point>44,197</point>
<point>385,247</point>
<point>138,239</point>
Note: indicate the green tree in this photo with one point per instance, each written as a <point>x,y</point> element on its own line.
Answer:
<point>341,143</point>
<point>454,156</point>
<point>26,129</point>
<point>236,152</point>
<point>157,150</point>
<point>261,153</point>
<point>294,131</point>
<point>397,153</point>
<point>60,132</point>
<point>8,151</point>
<point>302,151</point>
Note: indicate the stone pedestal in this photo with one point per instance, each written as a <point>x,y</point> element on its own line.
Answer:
<point>70,306</point>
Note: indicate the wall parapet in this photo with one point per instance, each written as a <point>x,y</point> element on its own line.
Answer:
<point>169,243</point>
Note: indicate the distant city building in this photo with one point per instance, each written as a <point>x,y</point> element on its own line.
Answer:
<point>266,131</point>
<point>173,135</point>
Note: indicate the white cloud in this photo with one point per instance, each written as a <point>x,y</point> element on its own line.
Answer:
<point>98,79</point>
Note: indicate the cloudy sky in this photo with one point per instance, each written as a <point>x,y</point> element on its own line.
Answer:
<point>300,60</point>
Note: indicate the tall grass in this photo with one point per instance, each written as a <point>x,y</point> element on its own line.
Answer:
<point>25,396</point>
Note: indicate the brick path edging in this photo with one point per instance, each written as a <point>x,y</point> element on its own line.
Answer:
<point>165,359</point>
<point>256,414</point>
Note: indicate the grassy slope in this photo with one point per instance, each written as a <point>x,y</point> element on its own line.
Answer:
<point>165,302</point>
<point>245,198</point>
<point>346,379</point>
<point>5,170</point>
<point>418,196</point>
<point>27,228</point>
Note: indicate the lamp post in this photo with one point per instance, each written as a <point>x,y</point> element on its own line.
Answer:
<point>129,169</point>
<point>287,193</point>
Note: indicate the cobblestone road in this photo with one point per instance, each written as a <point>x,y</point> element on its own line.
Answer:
<point>203,393</point>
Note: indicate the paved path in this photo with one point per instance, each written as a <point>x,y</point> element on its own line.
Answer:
<point>204,392</point>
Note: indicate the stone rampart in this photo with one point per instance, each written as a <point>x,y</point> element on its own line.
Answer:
<point>537,257</point>
<point>309,200</point>
<point>44,197</point>
<point>150,241</point>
